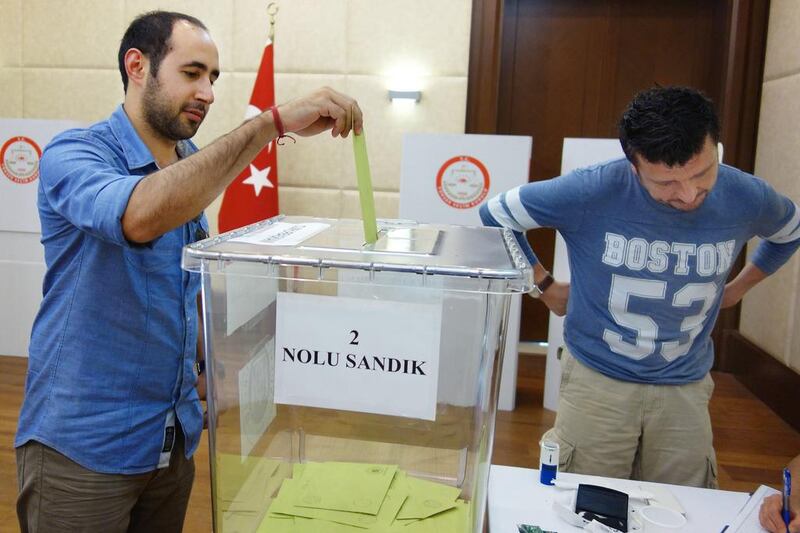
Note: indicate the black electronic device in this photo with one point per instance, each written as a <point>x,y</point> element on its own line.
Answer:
<point>607,506</point>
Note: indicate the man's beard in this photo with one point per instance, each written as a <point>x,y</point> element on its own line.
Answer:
<point>160,116</point>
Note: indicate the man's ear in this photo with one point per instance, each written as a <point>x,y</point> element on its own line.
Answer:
<point>137,66</point>
<point>633,160</point>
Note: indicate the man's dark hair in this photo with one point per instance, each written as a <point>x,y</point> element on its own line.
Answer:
<point>667,125</point>
<point>151,33</point>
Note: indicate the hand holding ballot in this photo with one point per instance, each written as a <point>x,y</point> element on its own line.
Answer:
<point>319,111</point>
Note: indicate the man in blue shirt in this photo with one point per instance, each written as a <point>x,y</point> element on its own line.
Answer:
<point>651,240</point>
<point>111,415</point>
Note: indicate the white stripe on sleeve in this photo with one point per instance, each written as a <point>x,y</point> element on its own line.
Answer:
<point>518,210</point>
<point>499,213</point>
<point>790,231</point>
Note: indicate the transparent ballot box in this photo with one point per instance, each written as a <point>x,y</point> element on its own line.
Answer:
<point>352,386</point>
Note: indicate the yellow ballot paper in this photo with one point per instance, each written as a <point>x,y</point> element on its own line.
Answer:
<point>365,188</point>
<point>277,525</point>
<point>346,495</point>
<point>297,470</point>
<point>426,498</point>
<point>354,487</point>
<point>309,525</point>
<point>284,506</point>
<point>454,520</point>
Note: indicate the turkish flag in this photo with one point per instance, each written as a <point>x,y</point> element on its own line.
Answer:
<point>253,195</point>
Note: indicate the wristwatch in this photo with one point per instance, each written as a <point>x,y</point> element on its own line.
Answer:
<point>541,286</point>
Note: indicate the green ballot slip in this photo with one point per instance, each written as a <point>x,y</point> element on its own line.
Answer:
<point>284,506</point>
<point>427,499</point>
<point>365,188</point>
<point>354,487</point>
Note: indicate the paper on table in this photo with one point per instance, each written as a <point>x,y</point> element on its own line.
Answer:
<point>354,487</point>
<point>747,519</point>
<point>663,497</point>
<point>365,188</point>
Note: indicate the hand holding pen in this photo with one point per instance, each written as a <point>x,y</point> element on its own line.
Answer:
<point>787,495</point>
<point>779,512</point>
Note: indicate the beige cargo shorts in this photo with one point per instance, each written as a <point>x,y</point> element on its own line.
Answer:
<point>614,428</point>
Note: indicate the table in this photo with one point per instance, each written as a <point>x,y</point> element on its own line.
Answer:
<point>517,497</point>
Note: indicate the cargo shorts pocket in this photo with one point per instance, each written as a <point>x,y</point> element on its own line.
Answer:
<point>709,385</point>
<point>711,471</point>
<point>567,365</point>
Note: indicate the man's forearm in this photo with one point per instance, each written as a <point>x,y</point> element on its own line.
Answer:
<point>748,278</point>
<point>174,195</point>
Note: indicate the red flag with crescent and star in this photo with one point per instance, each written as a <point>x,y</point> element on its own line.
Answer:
<point>253,195</point>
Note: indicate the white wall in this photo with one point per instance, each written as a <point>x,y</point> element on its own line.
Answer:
<point>771,312</point>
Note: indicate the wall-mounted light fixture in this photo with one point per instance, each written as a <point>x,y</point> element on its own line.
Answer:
<point>394,96</point>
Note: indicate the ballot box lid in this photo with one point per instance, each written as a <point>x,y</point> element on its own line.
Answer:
<point>402,246</point>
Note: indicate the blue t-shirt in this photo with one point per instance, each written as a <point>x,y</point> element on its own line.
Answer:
<point>112,351</point>
<point>647,279</point>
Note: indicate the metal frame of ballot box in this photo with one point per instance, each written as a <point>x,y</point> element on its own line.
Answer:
<point>467,264</point>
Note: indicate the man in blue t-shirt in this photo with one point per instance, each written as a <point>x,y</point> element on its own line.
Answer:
<point>651,240</point>
<point>111,416</point>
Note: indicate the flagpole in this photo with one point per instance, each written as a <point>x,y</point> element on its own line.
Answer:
<point>272,10</point>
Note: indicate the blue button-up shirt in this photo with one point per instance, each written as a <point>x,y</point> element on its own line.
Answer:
<point>112,351</point>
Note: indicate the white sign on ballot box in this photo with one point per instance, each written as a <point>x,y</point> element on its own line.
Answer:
<point>21,145</point>
<point>356,354</point>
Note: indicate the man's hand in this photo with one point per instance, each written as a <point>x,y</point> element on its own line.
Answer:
<point>556,297</point>
<point>201,386</point>
<point>324,109</point>
<point>732,294</point>
<point>734,291</point>
<point>771,518</point>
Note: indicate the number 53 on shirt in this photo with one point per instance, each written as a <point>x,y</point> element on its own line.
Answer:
<point>623,288</point>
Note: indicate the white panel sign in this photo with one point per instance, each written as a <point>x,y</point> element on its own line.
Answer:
<point>358,355</point>
<point>21,145</point>
<point>247,293</point>
<point>445,178</point>
<point>577,153</point>
<point>256,407</point>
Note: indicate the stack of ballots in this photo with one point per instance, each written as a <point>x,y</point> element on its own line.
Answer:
<point>352,497</point>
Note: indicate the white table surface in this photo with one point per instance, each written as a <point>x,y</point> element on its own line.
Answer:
<point>517,497</point>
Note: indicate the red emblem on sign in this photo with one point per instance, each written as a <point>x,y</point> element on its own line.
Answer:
<point>462,182</point>
<point>19,159</point>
